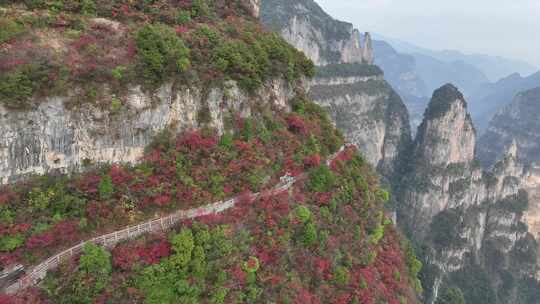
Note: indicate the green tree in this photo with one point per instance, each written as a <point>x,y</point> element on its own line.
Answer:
<point>106,187</point>
<point>321,179</point>
<point>94,273</point>
<point>18,86</point>
<point>303,213</point>
<point>309,237</point>
<point>11,242</point>
<point>341,276</point>
<point>95,260</point>
<point>88,7</point>
<point>183,245</point>
<point>198,262</point>
<point>9,29</point>
<point>161,52</point>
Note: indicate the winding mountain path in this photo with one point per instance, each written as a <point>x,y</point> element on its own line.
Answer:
<point>38,273</point>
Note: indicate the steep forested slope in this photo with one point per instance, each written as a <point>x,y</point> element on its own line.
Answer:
<point>195,104</point>
<point>360,101</point>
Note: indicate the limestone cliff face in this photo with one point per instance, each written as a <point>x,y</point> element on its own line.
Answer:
<point>520,122</point>
<point>255,7</point>
<point>518,126</point>
<point>323,39</point>
<point>532,215</point>
<point>54,137</point>
<point>361,102</point>
<point>447,135</point>
<point>370,114</point>
<point>465,218</point>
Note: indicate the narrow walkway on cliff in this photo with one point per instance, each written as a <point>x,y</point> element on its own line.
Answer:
<point>38,273</point>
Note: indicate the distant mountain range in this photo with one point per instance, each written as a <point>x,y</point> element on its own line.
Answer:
<point>490,98</point>
<point>488,82</point>
<point>416,75</point>
<point>516,123</point>
<point>494,67</point>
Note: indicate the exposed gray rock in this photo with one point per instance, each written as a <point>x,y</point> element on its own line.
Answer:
<point>55,138</point>
<point>520,122</point>
<point>463,215</point>
<point>446,136</point>
<point>370,114</point>
<point>322,38</point>
<point>367,51</point>
<point>365,108</point>
<point>516,127</point>
<point>255,7</point>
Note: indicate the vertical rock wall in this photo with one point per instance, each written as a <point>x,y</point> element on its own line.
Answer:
<point>54,138</point>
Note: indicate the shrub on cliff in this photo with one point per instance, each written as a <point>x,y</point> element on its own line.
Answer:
<point>445,229</point>
<point>321,179</point>
<point>349,70</point>
<point>161,52</point>
<point>9,29</point>
<point>93,274</point>
<point>260,58</point>
<point>18,86</point>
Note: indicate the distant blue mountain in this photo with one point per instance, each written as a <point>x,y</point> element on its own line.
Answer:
<point>490,98</point>
<point>494,67</point>
<point>415,76</point>
<point>488,82</point>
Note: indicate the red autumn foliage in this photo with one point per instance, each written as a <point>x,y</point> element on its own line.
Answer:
<point>312,161</point>
<point>19,228</point>
<point>95,210</point>
<point>41,240</point>
<point>5,299</point>
<point>66,231</point>
<point>10,63</point>
<point>154,253</point>
<point>323,198</point>
<point>292,168</point>
<point>297,124</point>
<point>89,183</point>
<point>276,280</point>
<point>119,176</point>
<point>32,295</point>
<point>342,299</point>
<point>305,297</point>
<point>242,146</point>
<point>343,157</point>
<point>239,275</point>
<point>6,196</point>
<point>84,41</point>
<point>212,219</point>
<point>181,29</point>
<point>246,198</point>
<point>195,141</point>
<point>368,275</point>
<point>153,156</point>
<point>365,296</point>
<point>322,267</point>
<point>124,257</point>
<point>162,200</point>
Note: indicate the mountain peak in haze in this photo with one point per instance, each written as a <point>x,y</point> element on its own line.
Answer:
<point>494,67</point>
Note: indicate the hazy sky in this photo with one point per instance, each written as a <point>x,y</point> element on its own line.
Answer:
<point>509,28</point>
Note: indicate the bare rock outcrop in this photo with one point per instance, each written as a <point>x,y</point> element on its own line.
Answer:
<point>465,217</point>
<point>56,138</point>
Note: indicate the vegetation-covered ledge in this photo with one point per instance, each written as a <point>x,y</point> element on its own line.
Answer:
<point>102,47</point>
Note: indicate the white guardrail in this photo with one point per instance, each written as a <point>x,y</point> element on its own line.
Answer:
<point>38,273</point>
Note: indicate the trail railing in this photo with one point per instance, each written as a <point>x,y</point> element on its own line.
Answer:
<point>38,273</point>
